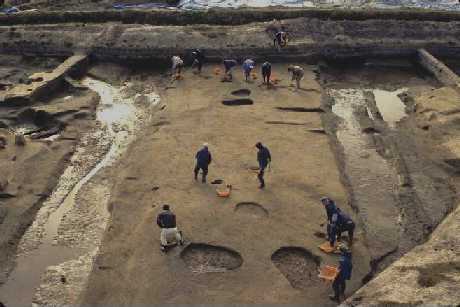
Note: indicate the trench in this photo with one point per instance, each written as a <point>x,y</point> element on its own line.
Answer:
<point>53,239</point>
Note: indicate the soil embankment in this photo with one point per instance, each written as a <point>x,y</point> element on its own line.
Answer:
<point>429,272</point>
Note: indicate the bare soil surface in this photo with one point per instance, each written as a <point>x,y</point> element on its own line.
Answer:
<point>161,162</point>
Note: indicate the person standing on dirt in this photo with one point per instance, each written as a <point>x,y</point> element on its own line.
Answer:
<point>177,65</point>
<point>331,213</point>
<point>281,39</point>
<point>203,159</point>
<point>344,273</point>
<point>266,72</point>
<point>228,65</point>
<point>166,220</point>
<point>264,159</point>
<point>248,66</point>
<point>198,59</point>
<point>297,74</point>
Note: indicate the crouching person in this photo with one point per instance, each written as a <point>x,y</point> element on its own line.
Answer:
<point>344,274</point>
<point>166,220</point>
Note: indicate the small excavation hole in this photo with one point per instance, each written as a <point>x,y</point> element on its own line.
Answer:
<point>217,181</point>
<point>238,102</point>
<point>427,281</point>
<point>251,209</point>
<point>298,265</point>
<point>241,92</point>
<point>204,258</point>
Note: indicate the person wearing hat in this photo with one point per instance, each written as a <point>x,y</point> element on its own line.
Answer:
<point>203,159</point>
<point>166,220</point>
<point>344,273</point>
<point>263,158</point>
<point>248,66</point>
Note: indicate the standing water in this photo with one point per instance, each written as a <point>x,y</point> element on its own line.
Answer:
<point>50,240</point>
<point>390,105</point>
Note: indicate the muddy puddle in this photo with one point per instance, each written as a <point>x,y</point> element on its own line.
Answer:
<point>63,240</point>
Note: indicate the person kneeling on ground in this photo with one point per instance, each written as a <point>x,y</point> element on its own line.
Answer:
<point>198,59</point>
<point>344,273</point>
<point>228,65</point>
<point>166,220</point>
<point>248,66</point>
<point>281,39</point>
<point>264,159</point>
<point>341,222</point>
<point>297,74</point>
<point>177,65</point>
<point>266,72</point>
<point>203,159</point>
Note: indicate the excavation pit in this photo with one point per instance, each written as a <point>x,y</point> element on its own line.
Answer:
<point>241,92</point>
<point>238,102</point>
<point>298,265</point>
<point>251,209</point>
<point>300,109</point>
<point>205,258</point>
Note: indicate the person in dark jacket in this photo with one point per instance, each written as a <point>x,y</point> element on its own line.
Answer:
<point>228,65</point>
<point>166,220</point>
<point>281,39</point>
<point>198,59</point>
<point>341,222</point>
<point>263,158</point>
<point>203,159</point>
<point>344,274</point>
<point>266,72</point>
<point>331,212</point>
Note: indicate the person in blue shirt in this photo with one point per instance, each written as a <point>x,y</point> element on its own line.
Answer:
<point>344,273</point>
<point>203,159</point>
<point>263,158</point>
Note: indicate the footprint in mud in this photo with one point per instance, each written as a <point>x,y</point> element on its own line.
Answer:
<point>298,265</point>
<point>205,258</point>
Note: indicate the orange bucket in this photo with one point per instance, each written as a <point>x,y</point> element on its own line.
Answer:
<point>217,71</point>
<point>328,272</point>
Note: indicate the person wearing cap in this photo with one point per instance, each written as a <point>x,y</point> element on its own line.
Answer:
<point>297,74</point>
<point>203,159</point>
<point>248,66</point>
<point>263,158</point>
<point>228,65</point>
<point>266,72</point>
<point>177,65</point>
<point>166,220</point>
<point>344,273</point>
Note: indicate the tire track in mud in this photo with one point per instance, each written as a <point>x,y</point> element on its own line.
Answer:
<point>394,198</point>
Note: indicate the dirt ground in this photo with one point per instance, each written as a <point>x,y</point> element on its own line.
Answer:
<point>303,170</point>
